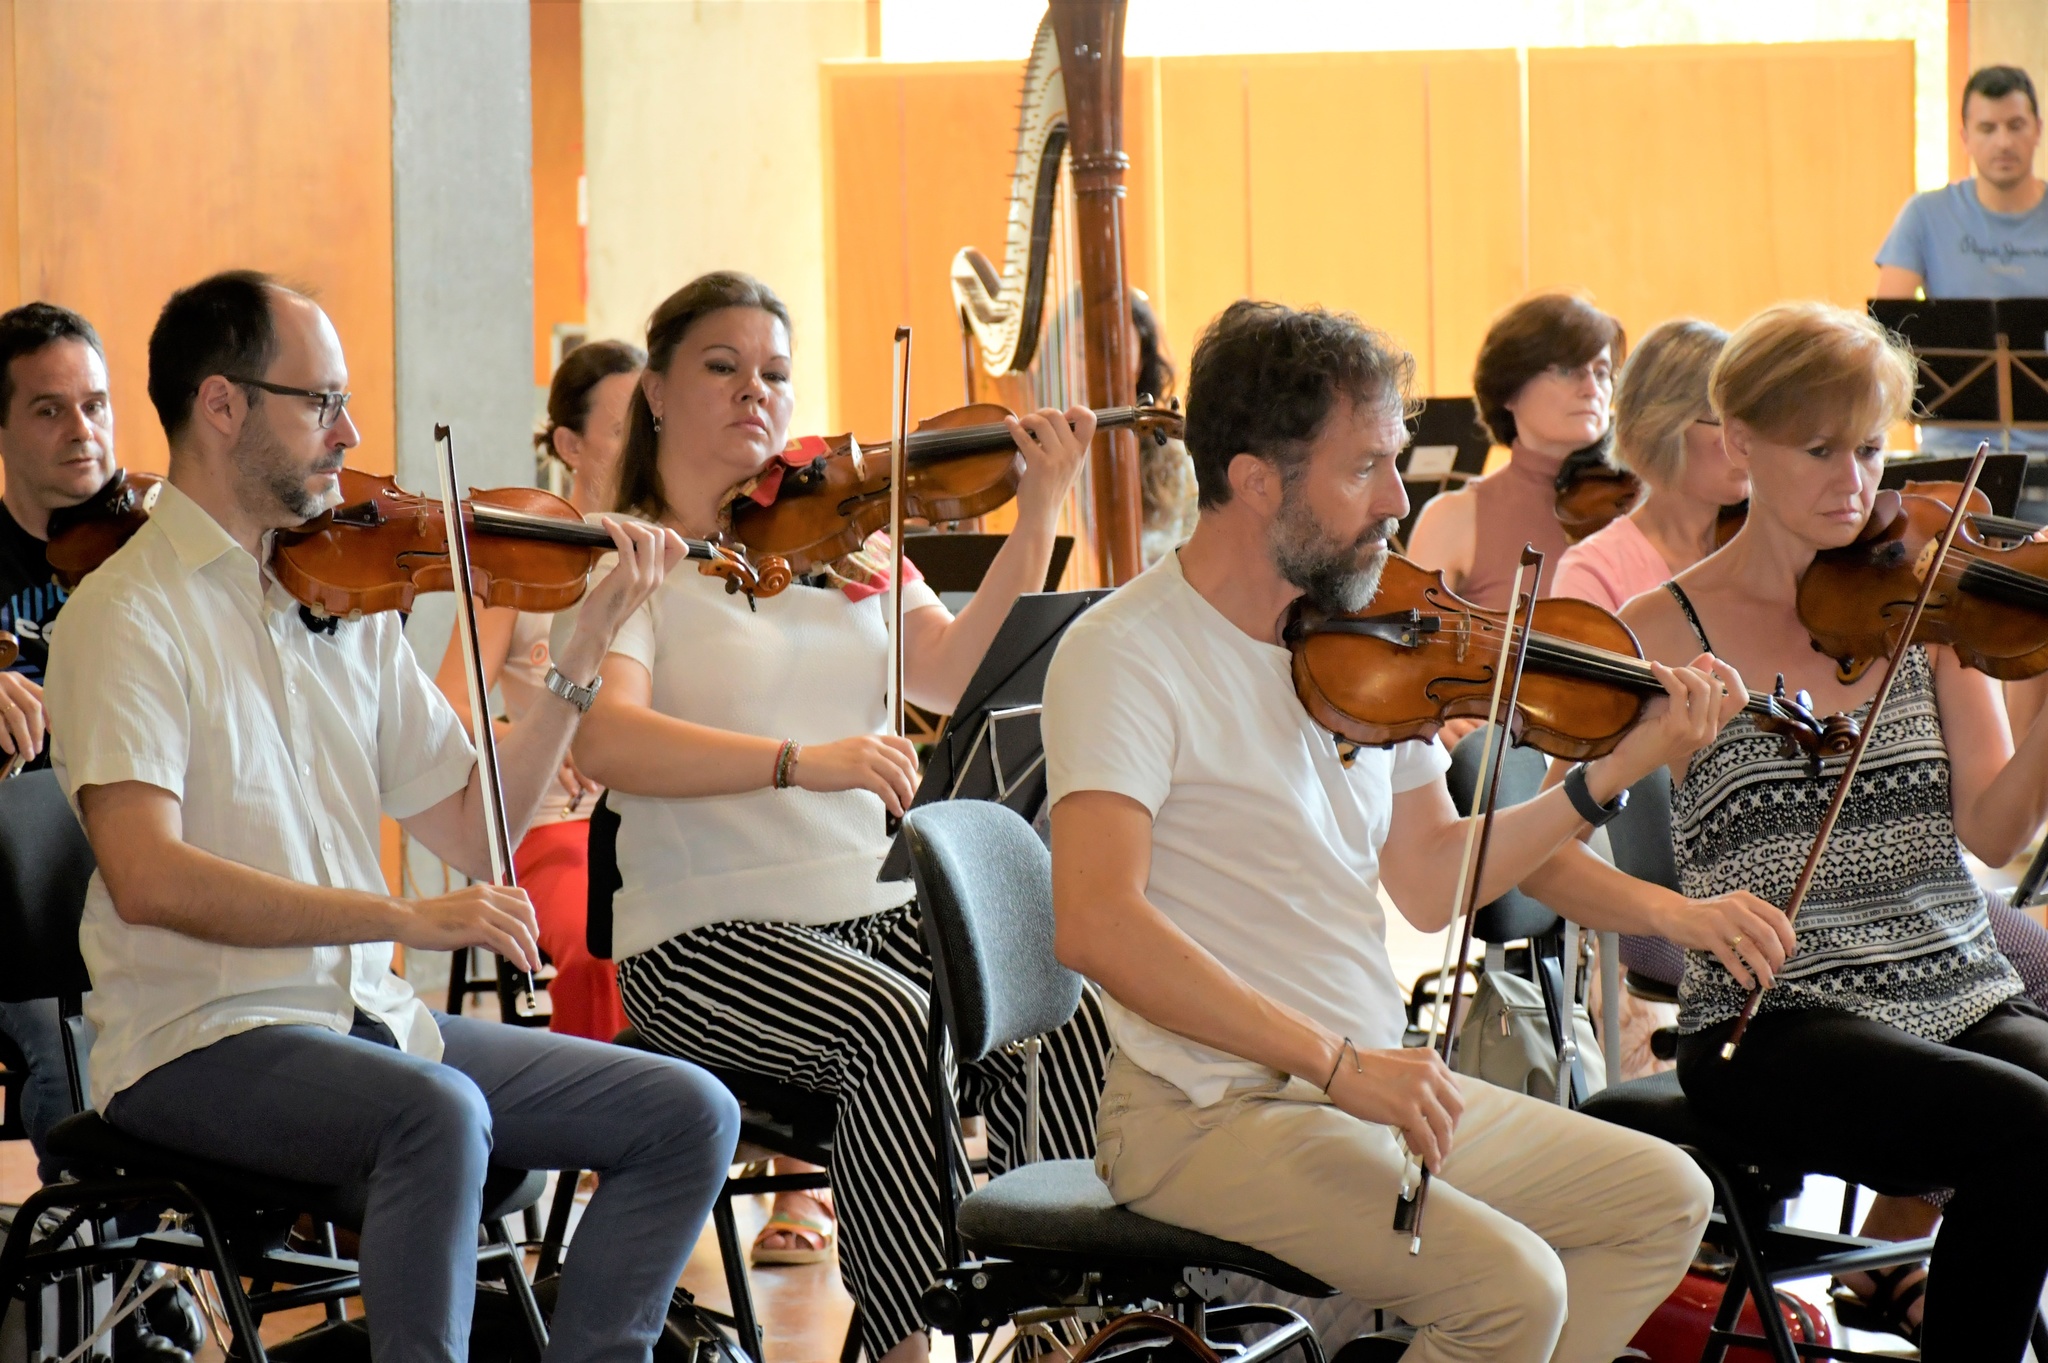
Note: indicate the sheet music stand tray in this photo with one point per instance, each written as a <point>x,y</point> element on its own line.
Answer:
<point>991,749</point>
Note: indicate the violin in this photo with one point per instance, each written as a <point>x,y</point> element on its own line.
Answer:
<point>1592,493</point>
<point>530,550</point>
<point>10,649</point>
<point>1420,655</point>
<point>961,464</point>
<point>1989,603</point>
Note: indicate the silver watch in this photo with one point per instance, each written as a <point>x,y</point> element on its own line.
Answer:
<point>582,697</point>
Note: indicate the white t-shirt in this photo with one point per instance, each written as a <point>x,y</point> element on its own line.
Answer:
<point>808,664</point>
<point>1265,847</point>
<point>173,665</point>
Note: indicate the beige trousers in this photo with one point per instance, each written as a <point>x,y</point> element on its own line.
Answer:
<point>1549,1236</point>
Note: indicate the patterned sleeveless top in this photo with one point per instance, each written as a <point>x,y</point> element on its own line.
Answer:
<point>1894,928</point>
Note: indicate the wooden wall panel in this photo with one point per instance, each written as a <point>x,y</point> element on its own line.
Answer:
<point>1339,187</point>
<point>919,166</point>
<point>1777,193</point>
<point>558,279</point>
<point>161,140</point>
<point>1475,262</point>
<point>1204,165</point>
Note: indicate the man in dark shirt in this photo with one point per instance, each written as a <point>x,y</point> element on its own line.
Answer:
<point>57,445</point>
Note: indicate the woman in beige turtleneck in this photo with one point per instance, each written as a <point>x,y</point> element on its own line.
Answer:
<point>1543,384</point>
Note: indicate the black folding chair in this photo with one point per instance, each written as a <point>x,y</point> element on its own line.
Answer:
<point>1047,1234</point>
<point>229,1223</point>
<point>775,1120</point>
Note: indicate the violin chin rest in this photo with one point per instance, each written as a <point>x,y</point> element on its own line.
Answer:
<point>1884,509</point>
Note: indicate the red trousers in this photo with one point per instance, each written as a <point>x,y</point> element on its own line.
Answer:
<point>553,865</point>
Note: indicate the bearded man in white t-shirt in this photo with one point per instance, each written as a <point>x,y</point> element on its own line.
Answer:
<point>1217,864</point>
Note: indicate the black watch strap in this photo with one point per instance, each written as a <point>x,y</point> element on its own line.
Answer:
<point>1590,809</point>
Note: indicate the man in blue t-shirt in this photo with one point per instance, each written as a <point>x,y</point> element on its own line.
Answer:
<point>1987,236</point>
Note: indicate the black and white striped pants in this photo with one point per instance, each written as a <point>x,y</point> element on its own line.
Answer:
<point>842,1009</point>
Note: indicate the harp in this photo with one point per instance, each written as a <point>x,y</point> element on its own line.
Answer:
<point>1051,327</point>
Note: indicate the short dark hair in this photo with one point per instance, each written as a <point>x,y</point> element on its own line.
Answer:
<point>1996,82</point>
<point>221,325</point>
<point>1536,333</point>
<point>26,330</point>
<point>1265,377</point>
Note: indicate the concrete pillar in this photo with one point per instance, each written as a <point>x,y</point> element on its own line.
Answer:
<point>462,210</point>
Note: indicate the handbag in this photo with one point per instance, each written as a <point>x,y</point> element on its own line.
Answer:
<point>1505,1039</point>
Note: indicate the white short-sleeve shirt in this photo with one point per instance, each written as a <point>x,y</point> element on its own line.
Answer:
<point>807,664</point>
<point>1265,846</point>
<point>175,665</point>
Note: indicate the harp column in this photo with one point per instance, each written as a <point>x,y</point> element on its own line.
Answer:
<point>1091,39</point>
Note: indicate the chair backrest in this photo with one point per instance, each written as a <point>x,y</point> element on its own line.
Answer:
<point>984,886</point>
<point>1514,915</point>
<point>45,866</point>
<point>1641,834</point>
<point>604,878</point>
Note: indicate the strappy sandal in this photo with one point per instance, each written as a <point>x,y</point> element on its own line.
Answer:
<point>1888,1312</point>
<point>798,1229</point>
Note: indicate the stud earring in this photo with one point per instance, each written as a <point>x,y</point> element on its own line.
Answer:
<point>657,425</point>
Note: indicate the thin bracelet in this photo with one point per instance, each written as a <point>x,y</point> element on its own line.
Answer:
<point>785,763</point>
<point>1341,1049</point>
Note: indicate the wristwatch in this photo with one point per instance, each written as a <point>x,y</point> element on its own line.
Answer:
<point>582,697</point>
<point>1590,809</point>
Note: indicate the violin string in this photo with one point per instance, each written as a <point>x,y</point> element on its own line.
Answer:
<point>2020,588</point>
<point>1597,664</point>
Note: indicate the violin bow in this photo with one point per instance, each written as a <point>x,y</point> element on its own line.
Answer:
<point>1443,1030</point>
<point>1929,576</point>
<point>496,832</point>
<point>899,433</point>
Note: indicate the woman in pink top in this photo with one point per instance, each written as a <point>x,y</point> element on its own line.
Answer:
<point>1666,434</point>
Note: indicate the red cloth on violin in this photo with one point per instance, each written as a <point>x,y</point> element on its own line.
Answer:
<point>553,865</point>
<point>861,574</point>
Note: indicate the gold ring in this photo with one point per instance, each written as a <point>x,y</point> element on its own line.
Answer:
<point>1736,940</point>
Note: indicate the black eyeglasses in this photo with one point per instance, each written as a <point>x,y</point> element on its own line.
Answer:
<point>331,403</point>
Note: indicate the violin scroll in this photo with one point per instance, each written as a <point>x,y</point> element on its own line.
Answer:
<point>767,578</point>
<point>1792,719</point>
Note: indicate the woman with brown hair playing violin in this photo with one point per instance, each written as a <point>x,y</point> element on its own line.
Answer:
<point>748,755</point>
<point>1895,997</point>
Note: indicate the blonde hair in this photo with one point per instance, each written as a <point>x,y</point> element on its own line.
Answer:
<point>1797,370</point>
<point>1663,390</point>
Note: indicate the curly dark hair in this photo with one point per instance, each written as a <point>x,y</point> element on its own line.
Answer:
<point>1265,377</point>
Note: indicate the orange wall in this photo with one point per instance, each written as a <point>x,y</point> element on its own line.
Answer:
<point>1707,180</point>
<point>558,280</point>
<point>153,142</point>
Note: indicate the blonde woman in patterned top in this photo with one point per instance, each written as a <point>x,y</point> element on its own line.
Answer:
<point>1893,1000</point>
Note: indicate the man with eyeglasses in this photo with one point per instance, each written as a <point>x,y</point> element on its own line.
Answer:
<point>230,760</point>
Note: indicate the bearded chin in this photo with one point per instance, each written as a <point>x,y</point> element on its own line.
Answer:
<point>1340,586</point>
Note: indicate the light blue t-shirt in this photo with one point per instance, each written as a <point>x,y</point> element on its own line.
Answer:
<point>1964,250</point>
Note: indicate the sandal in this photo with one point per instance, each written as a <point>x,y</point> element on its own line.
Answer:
<point>801,1230</point>
<point>1889,1311</point>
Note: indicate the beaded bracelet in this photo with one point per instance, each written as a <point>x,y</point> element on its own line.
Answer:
<point>785,763</point>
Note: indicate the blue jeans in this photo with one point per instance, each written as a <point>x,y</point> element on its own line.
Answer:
<point>304,1103</point>
<point>45,1093</point>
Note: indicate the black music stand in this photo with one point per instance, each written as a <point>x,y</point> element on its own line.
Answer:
<point>991,749</point>
<point>1983,362</point>
<point>1448,450</point>
<point>2000,482</point>
<point>957,560</point>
